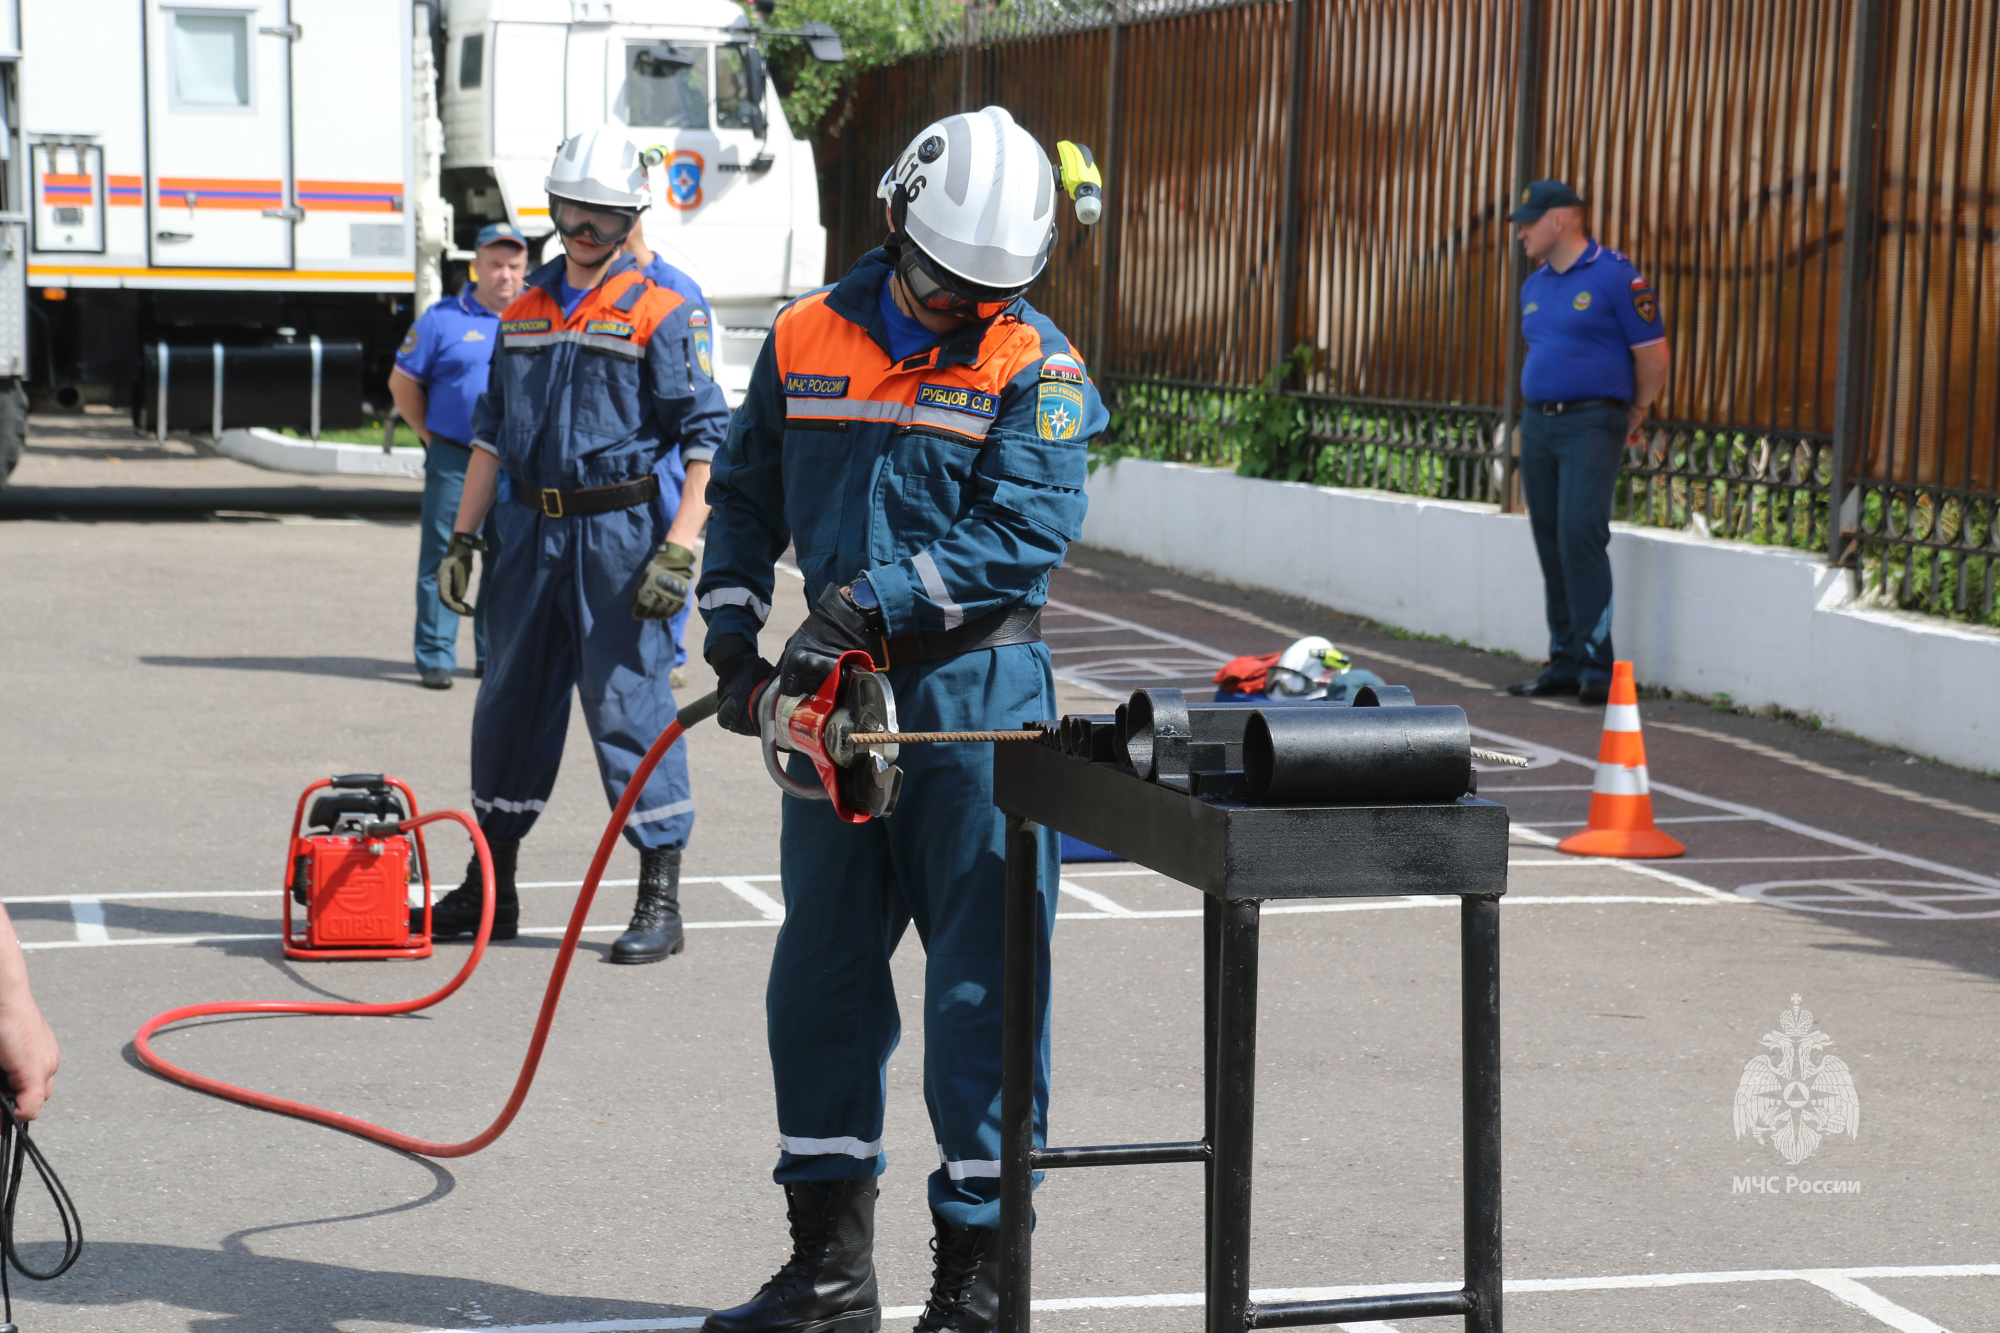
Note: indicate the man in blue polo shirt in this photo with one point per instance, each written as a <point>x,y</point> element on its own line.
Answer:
<point>440,372</point>
<point>1597,357</point>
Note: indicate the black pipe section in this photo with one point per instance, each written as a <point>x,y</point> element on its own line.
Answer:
<point>1384,696</point>
<point>1157,732</point>
<point>1166,737</point>
<point>1375,755</point>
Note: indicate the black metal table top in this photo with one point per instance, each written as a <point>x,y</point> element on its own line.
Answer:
<point>1230,849</point>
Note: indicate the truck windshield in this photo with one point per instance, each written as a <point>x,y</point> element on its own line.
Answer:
<point>666,87</point>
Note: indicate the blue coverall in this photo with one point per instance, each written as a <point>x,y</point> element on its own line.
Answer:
<point>597,397</point>
<point>954,481</point>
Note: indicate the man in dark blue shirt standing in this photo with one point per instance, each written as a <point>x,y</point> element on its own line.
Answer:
<point>440,372</point>
<point>1597,357</point>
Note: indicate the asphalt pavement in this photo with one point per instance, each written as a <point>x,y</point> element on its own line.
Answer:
<point>189,642</point>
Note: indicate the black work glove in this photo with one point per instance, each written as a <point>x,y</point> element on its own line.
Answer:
<point>739,674</point>
<point>455,571</point>
<point>835,626</point>
<point>663,587</point>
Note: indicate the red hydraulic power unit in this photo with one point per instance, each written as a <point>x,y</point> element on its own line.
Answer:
<point>350,870</point>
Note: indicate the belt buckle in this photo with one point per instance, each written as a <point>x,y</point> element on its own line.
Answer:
<point>552,502</point>
<point>1556,409</point>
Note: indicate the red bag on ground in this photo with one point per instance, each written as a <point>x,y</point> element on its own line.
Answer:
<point>1245,675</point>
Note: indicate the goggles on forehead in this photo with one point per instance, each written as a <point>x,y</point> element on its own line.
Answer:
<point>601,226</point>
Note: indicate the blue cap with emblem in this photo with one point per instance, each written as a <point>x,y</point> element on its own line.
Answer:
<point>1541,196</point>
<point>500,231</point>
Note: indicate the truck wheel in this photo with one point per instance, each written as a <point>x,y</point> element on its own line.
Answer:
<point>13,426</point>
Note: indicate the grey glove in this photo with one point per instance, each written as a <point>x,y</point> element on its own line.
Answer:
<point>455,571</point>
<point>663,585</point>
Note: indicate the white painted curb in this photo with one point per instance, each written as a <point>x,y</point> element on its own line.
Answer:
<point>280,453</point>
<point>1764,625</point>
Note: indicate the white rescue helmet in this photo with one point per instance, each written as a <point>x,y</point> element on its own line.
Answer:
<point>597,186</point>
<point>1304,670</point>
<point>974,197</point>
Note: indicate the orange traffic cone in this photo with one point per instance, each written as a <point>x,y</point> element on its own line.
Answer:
<point>1621,803</point>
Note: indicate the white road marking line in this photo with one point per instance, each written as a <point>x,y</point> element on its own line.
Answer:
<point>1670,819</point>
<point>1094,898</point>
<point>1249,618</point>
<point>1827,771</point>
<point>135,897</point>
<point>628,883</point>
<point>1820,1277</point>
<point>1775,820</point>
<point>1694,860</point>
<point>1849,1292</point>
<point>1126,914</point>
<point>1645,868</point>
<point>88,914</point>
<point>141,939</point>
<point>1871,1301</point>
<point>1509,791</point>
<point>772,909</point>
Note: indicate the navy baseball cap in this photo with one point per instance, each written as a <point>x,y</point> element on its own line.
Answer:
<point>1541,196</point>
<point>500,231</point>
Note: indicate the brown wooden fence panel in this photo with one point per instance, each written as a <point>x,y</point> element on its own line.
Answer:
<point>1711,139</point>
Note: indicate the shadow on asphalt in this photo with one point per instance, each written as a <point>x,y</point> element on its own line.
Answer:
<point>242,1292</point>
<point>204,504</point>
<point>357,668</point>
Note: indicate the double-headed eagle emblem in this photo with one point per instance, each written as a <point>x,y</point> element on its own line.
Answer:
<point>1797,1101</point>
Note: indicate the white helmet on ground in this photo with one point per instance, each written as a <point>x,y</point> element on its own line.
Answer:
<point>1304,670</point>
<point>972,211</point>
<point>597,186</point>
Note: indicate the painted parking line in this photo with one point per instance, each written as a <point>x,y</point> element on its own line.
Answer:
<point>88,913</point>
<point>1102,907</point>
<point>1846,1285</point>
<point>1826,837</point>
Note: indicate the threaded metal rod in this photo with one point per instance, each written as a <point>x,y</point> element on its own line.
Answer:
<point>927,737</point>
<point>1496,757</point>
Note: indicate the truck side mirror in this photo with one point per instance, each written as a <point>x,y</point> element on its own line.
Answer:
<point>824,43</point>
<point>756,78</point>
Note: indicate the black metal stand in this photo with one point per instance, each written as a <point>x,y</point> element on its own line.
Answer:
<point>1239,856</point>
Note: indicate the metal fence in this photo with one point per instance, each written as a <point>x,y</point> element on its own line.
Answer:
<point>1335,174</point>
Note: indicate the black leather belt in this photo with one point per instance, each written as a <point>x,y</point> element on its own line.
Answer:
<point>997,629</point>
<point>590,499</point>
<point>1579,405</point>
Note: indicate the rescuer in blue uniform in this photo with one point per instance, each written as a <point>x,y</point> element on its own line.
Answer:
<point>601,390</point>
<point>1597,357</point>
<point>440,373</point>
<point>917,432</point>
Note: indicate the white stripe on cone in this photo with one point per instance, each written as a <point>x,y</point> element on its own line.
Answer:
<point>1618,780</point>
<point>1621,717</point>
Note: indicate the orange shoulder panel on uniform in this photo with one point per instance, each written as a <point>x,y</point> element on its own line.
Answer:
<point>830,369</point>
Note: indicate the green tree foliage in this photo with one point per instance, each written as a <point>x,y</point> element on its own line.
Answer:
<point>874,32</point>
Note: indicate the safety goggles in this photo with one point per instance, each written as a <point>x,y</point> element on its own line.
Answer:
<point>936,291</point>
<point>600,226</point>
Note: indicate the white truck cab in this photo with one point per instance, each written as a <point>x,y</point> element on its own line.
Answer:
<point>736,201</point>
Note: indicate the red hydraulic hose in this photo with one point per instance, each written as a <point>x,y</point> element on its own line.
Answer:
<point>690,715</point>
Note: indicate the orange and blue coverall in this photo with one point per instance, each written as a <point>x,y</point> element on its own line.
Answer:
<point>953,480</point>
<point>619,388</point>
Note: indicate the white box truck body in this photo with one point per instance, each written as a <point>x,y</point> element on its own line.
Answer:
<point>225,213</point>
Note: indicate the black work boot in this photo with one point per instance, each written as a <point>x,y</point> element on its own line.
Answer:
<point>655,931</point>
<point>828,1285</point>
<point>965,1280</point>
<point>457,913</point>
